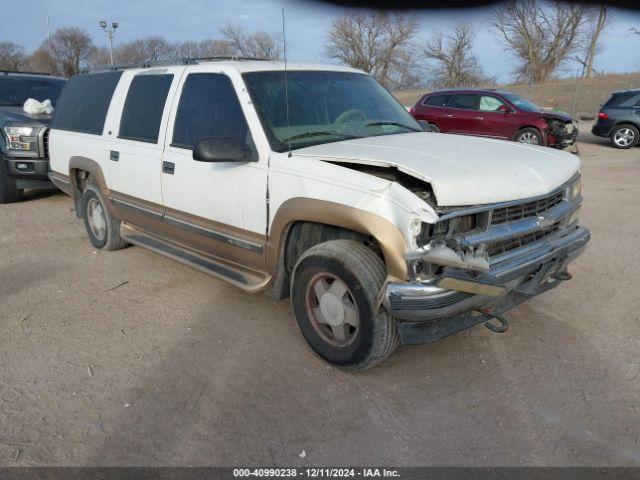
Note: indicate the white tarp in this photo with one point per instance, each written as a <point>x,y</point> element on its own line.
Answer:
<point>34,107</point>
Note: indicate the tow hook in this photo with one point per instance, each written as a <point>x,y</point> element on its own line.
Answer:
<point>504,325</point>
<point>564,276</point>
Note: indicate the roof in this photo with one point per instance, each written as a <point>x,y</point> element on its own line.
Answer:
<point>26,74</point>
<point>240,64</point>
<point>471,90</point>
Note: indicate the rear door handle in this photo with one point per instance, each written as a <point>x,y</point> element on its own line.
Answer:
<point>449,115</point>
<point>168,167</point>
<point>479,118</point>
<point>114,156</point>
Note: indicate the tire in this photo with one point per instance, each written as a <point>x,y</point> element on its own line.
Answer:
<point>349,277</point>
<point>103,230</point>
<point>624,136</point>
<point>9,192</point>
<point>529,135</point>
<point>434,128</point>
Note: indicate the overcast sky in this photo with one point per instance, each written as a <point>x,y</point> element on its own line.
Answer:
<point>307,23</point>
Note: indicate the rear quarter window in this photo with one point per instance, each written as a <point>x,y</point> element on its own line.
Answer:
<point>84,101</point>
<point>626,99</point>
<point>436,100</point>
<point>143,108</point>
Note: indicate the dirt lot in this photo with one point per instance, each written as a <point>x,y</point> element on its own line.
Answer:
<point>174,367</point>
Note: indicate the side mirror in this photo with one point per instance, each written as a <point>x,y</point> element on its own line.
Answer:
<point>221,149</point>
<point>504,109</point>
<point>426,126</point>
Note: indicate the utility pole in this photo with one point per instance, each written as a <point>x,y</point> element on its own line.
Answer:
<point>48,35</point>
<point>111,33</point>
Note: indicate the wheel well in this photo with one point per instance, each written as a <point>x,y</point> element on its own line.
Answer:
<point>300,237</point>
<point>79,180</point>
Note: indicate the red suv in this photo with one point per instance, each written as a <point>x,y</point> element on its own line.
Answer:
<point>495,114</point>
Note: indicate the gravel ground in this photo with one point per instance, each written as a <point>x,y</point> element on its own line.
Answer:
<point>129,358</point>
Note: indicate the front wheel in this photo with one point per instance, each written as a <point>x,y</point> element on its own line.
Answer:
<point>625,136</point>
<point>334,291</point>
<point>529,136</point>
<point>9,191</point>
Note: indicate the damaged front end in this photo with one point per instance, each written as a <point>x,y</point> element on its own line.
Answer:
<point>476,263</point>
<point>561,133</point>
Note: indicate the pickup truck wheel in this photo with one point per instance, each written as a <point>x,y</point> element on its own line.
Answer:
<point>103,230</point>
<point>334,291</point>
<point>624,136</point>
<point>9,192</point>
<point>530,136</point>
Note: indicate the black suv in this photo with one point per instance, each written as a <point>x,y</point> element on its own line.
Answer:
<point>24,161</point>
<point>619,119</point>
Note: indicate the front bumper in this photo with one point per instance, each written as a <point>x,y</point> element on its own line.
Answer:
<point>565,140</point>
<point>29,172</point>
<point>428,314</point>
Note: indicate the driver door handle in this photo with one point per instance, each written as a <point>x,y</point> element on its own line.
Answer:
<point>479,118</point>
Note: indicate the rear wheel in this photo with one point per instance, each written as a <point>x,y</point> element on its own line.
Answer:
<point>434,128</point>
<point>9,191</point>
<point>530,136</point>
<point>334,291</point>
<point>103,230</point>
<point>625,136</point>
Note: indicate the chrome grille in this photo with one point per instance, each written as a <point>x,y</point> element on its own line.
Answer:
<point>503,246</point>
<point>525,210</point>
<point>45,143</point>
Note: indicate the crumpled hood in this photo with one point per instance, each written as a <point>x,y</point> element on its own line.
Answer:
<point>16,115</point>
<point>462,170</point>
<point>559,115</point>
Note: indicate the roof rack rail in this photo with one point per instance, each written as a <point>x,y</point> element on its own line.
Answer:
<point>7,72</point>
<point>180,61</point>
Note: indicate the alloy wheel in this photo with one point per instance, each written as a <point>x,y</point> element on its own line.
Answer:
<point>332,309</point>
<point>530,138</point>
<point>97,219</point>
<point>624,137</point>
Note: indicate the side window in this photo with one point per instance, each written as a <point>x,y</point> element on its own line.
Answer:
<point>84,101</point>
<point>208,107</point>
<point>489,103</point>
<point>436,100</point>
<point>468,101</point>
<point>142,112</point>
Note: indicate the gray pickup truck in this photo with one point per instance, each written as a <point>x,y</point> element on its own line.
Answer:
<point>24,162</point>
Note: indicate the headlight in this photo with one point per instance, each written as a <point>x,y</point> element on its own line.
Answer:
<point>575,189</point>
<point>22,139</point>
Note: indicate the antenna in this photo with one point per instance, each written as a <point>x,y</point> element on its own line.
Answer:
<point>286,84</point>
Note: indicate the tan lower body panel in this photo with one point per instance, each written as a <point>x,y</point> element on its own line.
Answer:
<point>241,276</point>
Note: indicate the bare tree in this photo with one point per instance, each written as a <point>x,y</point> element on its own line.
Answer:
<point>376,42</point>
<point>12,56</point>
<point>635,30</point>
<point>542,36</point>
<point>70,49</point>
<point>258,44</point>
<point>204,48</point>
<point>598,19</point>
<point>454,63</point>
<point>148,49</point>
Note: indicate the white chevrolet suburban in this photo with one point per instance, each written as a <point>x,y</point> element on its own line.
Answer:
<point>315,180</point>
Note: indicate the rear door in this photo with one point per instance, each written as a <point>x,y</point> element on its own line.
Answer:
<point>462,114</point>
<point>138,131</point>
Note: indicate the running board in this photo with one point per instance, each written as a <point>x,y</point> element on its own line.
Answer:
<point>243,277</point>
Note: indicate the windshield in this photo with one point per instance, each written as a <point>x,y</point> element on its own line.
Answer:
<point>324,107</point>
<point>14,91</point>
<point>521,103</point>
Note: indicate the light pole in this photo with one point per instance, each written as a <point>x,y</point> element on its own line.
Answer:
<point>111,33</point>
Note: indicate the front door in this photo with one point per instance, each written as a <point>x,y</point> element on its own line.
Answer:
<point>497,119</point>
<point>135,150</point>
<point>215,208</point>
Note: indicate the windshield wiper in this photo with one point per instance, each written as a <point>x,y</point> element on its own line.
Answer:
<point>318,133</point>
<point>389,122</point>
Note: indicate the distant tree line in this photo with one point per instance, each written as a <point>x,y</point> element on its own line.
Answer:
<point>542,38</point>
